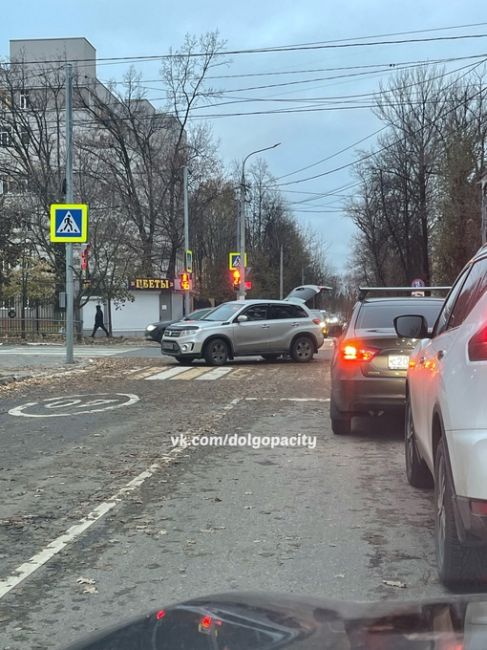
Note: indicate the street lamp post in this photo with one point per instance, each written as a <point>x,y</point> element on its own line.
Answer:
<point>243,220</point>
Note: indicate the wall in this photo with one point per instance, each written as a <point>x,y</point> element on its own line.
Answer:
<point>132,318</point>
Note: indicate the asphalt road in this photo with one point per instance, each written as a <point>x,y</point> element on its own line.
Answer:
<point>161,523</point>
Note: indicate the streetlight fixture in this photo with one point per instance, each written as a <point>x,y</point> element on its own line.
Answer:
<point>242,220</point>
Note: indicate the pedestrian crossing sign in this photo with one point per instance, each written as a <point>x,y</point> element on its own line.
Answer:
<point>69,223</point>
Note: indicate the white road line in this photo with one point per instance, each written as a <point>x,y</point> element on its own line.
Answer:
<point>143,374</point>
<point>36,561</point>
<point>214,374</point>
<point>193,374</point>
<point>165,374</point>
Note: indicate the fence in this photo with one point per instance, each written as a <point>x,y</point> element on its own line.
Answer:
<point>25,318</point>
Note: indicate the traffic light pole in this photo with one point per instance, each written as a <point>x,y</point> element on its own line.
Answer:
<point>187,307</point>
<point>69,199</point>
<point>243,220</point>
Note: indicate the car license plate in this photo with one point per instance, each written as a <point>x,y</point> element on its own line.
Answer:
<point>168,345</point>
<point>398,362</point>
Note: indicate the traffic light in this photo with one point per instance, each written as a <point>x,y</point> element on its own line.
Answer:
<point>236,278</point>
<point>185,279</point>
<point>84,257</point>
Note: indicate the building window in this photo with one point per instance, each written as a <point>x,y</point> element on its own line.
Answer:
<point>5,137</point>
<point>24,100</point>
<point>24,136</point>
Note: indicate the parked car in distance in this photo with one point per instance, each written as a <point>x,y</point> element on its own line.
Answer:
<point>446,421</point>
<point>321,314</point>
<point>267,328</point>
<point>154,331</point>
<point>370,362</point>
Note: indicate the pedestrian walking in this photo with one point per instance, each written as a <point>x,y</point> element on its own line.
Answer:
<point>99,322</point>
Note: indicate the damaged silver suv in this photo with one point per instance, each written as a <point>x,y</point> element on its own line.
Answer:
<point>267,328</point>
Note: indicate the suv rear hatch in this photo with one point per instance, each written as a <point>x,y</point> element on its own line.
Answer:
<point>305,293</point>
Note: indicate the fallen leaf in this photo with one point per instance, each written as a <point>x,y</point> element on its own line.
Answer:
<point>395,583</point>
<point>163,532</point>
<point>90,589</point>
<point>85,581</point>
<point>340,575</point>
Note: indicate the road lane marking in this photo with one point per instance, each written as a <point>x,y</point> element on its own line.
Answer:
<point>53,548</point>
<point>193,373</point>
<point>165,374</point>
<point>103,402</point>
<point>147,372</point>
<point>214,374</point>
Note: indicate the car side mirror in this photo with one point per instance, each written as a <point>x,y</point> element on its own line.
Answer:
<point>242,319</point>
<point>411,327</point>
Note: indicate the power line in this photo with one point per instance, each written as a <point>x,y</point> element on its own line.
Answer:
<point>323,45</point>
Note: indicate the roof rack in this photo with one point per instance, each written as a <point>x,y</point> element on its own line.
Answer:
<point>364,291</point>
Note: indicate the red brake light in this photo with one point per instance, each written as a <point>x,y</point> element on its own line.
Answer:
<point>357,351</point>
<point>160,614</point>
<point>477,346</point>
<point>316,321</point>
<point>206,621</point>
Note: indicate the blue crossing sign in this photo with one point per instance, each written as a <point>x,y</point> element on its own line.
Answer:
<point>235,260</point>
<point>69,223</point>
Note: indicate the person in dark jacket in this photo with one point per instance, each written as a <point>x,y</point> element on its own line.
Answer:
<point>99,322</point>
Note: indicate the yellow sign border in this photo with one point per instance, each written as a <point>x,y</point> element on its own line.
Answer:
<point>234,268</point>
<point>82,238</point>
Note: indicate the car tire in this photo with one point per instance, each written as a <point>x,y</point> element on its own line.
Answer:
<point>458,565</point>
<point>302,349</point>
<point>417,471</point>
<point>270,357</point>
<point>216,352</point>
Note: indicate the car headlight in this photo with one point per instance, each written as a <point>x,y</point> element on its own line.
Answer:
<point>188,332</point>
<point>151,328</point>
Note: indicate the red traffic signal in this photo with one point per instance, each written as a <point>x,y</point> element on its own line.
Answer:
<point>248,285</point>
<point>185,280</point>
<point>84,257</point>
<point>236,278</point>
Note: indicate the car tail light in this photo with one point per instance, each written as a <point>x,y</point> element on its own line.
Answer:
<point>477,346</point>
<point>478,507</point>
<point>317,321</point>
<point>357,351</point>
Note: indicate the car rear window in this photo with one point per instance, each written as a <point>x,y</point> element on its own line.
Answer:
<point>382,315</point>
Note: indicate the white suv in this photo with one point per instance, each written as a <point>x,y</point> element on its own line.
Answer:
<point>446,421</point>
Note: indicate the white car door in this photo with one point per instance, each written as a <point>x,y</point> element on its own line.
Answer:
<point>425,377</point>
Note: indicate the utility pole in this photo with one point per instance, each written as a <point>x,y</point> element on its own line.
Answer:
<point>281,274</point>
<point>187,307</point>
<point>243,220</point>
<point>69,199</point>
<point>302,275</point>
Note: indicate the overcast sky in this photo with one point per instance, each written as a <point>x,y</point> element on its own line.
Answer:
<point>124,28</point>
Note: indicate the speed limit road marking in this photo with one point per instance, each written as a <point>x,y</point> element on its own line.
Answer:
<point>56,407</point>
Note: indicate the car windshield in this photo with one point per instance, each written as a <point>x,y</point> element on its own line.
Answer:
<point>224,312</point>
<point>374,315</point>
<point>199,314</point>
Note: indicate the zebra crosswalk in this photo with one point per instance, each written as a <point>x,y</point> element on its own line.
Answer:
<point>197,373</point>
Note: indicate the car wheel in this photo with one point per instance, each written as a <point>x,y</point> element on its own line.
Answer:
<point>302,349</point>
<point>270,357</point>
<point>216,352</point>
<point>341,423</point>
<point>184,360</point>
<point>457,564</point>
<point>417,471</point>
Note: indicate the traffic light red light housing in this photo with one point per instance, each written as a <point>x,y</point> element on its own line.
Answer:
<point>236,278</point>
<point>185,279</point>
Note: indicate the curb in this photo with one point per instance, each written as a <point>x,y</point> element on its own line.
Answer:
<point>58,372</point>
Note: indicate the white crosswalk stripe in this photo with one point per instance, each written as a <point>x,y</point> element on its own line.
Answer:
<point>215,374</point>
<point>167,374</point>
<point>204,373</point>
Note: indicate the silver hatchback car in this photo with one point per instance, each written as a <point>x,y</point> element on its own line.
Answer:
<point>267,328</point>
